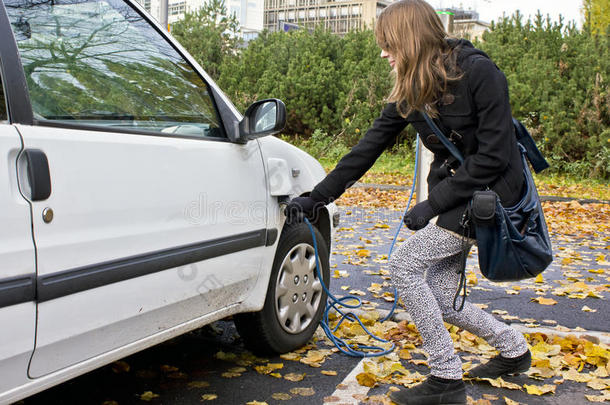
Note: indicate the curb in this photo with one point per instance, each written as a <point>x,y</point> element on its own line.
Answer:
<point>594,336</point>
<point>549,198</point>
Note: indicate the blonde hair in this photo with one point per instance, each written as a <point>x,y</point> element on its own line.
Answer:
<point>412,33</point>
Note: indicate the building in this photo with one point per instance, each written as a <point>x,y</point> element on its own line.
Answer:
<point>339,16</point>
<point>464,23</point>
<point>249,12</point>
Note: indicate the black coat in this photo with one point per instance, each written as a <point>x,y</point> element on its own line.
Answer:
<point>477,108</point>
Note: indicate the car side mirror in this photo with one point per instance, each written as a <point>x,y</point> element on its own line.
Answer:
<point>264,117</point>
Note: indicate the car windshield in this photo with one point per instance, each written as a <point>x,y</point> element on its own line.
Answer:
<point>99,62</point>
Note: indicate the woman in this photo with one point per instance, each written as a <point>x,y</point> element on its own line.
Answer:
<point>467,94</point>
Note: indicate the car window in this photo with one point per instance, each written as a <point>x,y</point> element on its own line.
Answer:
<point>99,62</point>
<point>3,113</point>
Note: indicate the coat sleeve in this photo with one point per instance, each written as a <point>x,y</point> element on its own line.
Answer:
<point>355,164</point>
<point>494,134</point>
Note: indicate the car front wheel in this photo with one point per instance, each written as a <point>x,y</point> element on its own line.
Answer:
<point>295,298</point>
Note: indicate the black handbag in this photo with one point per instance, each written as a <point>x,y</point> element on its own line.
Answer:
<point>513,242</point>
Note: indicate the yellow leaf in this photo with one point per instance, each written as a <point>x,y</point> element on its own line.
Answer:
<point>281,396</point>
<point>328,372</point>
<point>198,384</point>
<point>364,253</point>
<point>269,368</point>
<point>404,354</point>
<point>587,309</point>
<point>366,379</point>
<point>209,397</point>
<point>539,279</point>
<point>599,384</point>
<point>148,396</point>
<point>500,383</point>
<point>544,301</point>
<point>256,403</point>
<point>382,226</point>
<point>305,392</point>
<point>599,398</point>
<point>294,377</point>
<point>357,292</point>
<point>574,375</point>
<point>291,356</point>
<point>540,390</point>
<point>225,356</point>
<point>229,374</point>
<point>510,401</point>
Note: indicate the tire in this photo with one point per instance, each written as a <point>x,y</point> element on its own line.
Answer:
<point>285,324</point>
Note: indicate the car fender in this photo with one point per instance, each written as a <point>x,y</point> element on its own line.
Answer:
<point>290,173</point>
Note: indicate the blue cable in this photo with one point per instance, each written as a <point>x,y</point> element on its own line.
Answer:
<point>343,346</point>
<point>401,223</point>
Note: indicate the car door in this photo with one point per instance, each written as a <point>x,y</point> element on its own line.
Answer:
<point>17,264</point>
<point>153,217</point>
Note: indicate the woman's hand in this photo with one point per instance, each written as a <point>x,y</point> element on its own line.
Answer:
<point>419,216</point>
<point>306,206</point>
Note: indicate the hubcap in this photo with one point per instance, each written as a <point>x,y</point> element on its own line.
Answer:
<point>298,291</point>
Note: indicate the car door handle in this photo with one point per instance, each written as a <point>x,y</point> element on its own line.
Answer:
<point>39,175</point>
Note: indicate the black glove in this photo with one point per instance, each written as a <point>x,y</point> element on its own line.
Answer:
<point>419,216</point>
<point>306,206</point>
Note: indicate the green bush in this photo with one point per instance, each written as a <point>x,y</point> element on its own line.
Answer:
<point>558,78</point>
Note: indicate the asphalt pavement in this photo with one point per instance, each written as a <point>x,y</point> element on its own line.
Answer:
<point>211,365</point>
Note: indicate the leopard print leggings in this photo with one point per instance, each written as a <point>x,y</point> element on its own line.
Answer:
<point>428,296</point>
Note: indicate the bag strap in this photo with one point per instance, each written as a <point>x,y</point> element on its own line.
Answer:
<point>448,144</point>
<point>532,152</point>
<point>462,270</point>
<point>523,136</point>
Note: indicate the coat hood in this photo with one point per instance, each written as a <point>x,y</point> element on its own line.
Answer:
<point>465,49</point>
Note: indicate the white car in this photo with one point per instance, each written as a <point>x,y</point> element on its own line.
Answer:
<point>136,203</point>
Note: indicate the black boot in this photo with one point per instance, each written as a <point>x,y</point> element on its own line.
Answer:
<point>433,391</point>
<point>500,366</point>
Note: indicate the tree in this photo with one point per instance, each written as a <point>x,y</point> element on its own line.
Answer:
<point>210,35</point>
<point>597,15</point>
<point>558,78</point>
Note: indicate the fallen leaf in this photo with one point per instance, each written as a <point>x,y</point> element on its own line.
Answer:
<point>328,372</point>
<point>198,384</point>
<point>229,374</point>
<point>599,398</point>
<point>540,390</point>
<point>305,392</point>
<point>148,396</point>
<point>294,377</point>
<point>209,397</point>
<point>281,396</point>
<point>366,379</point>
<point>364,253</point>
<point>544,301</point>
